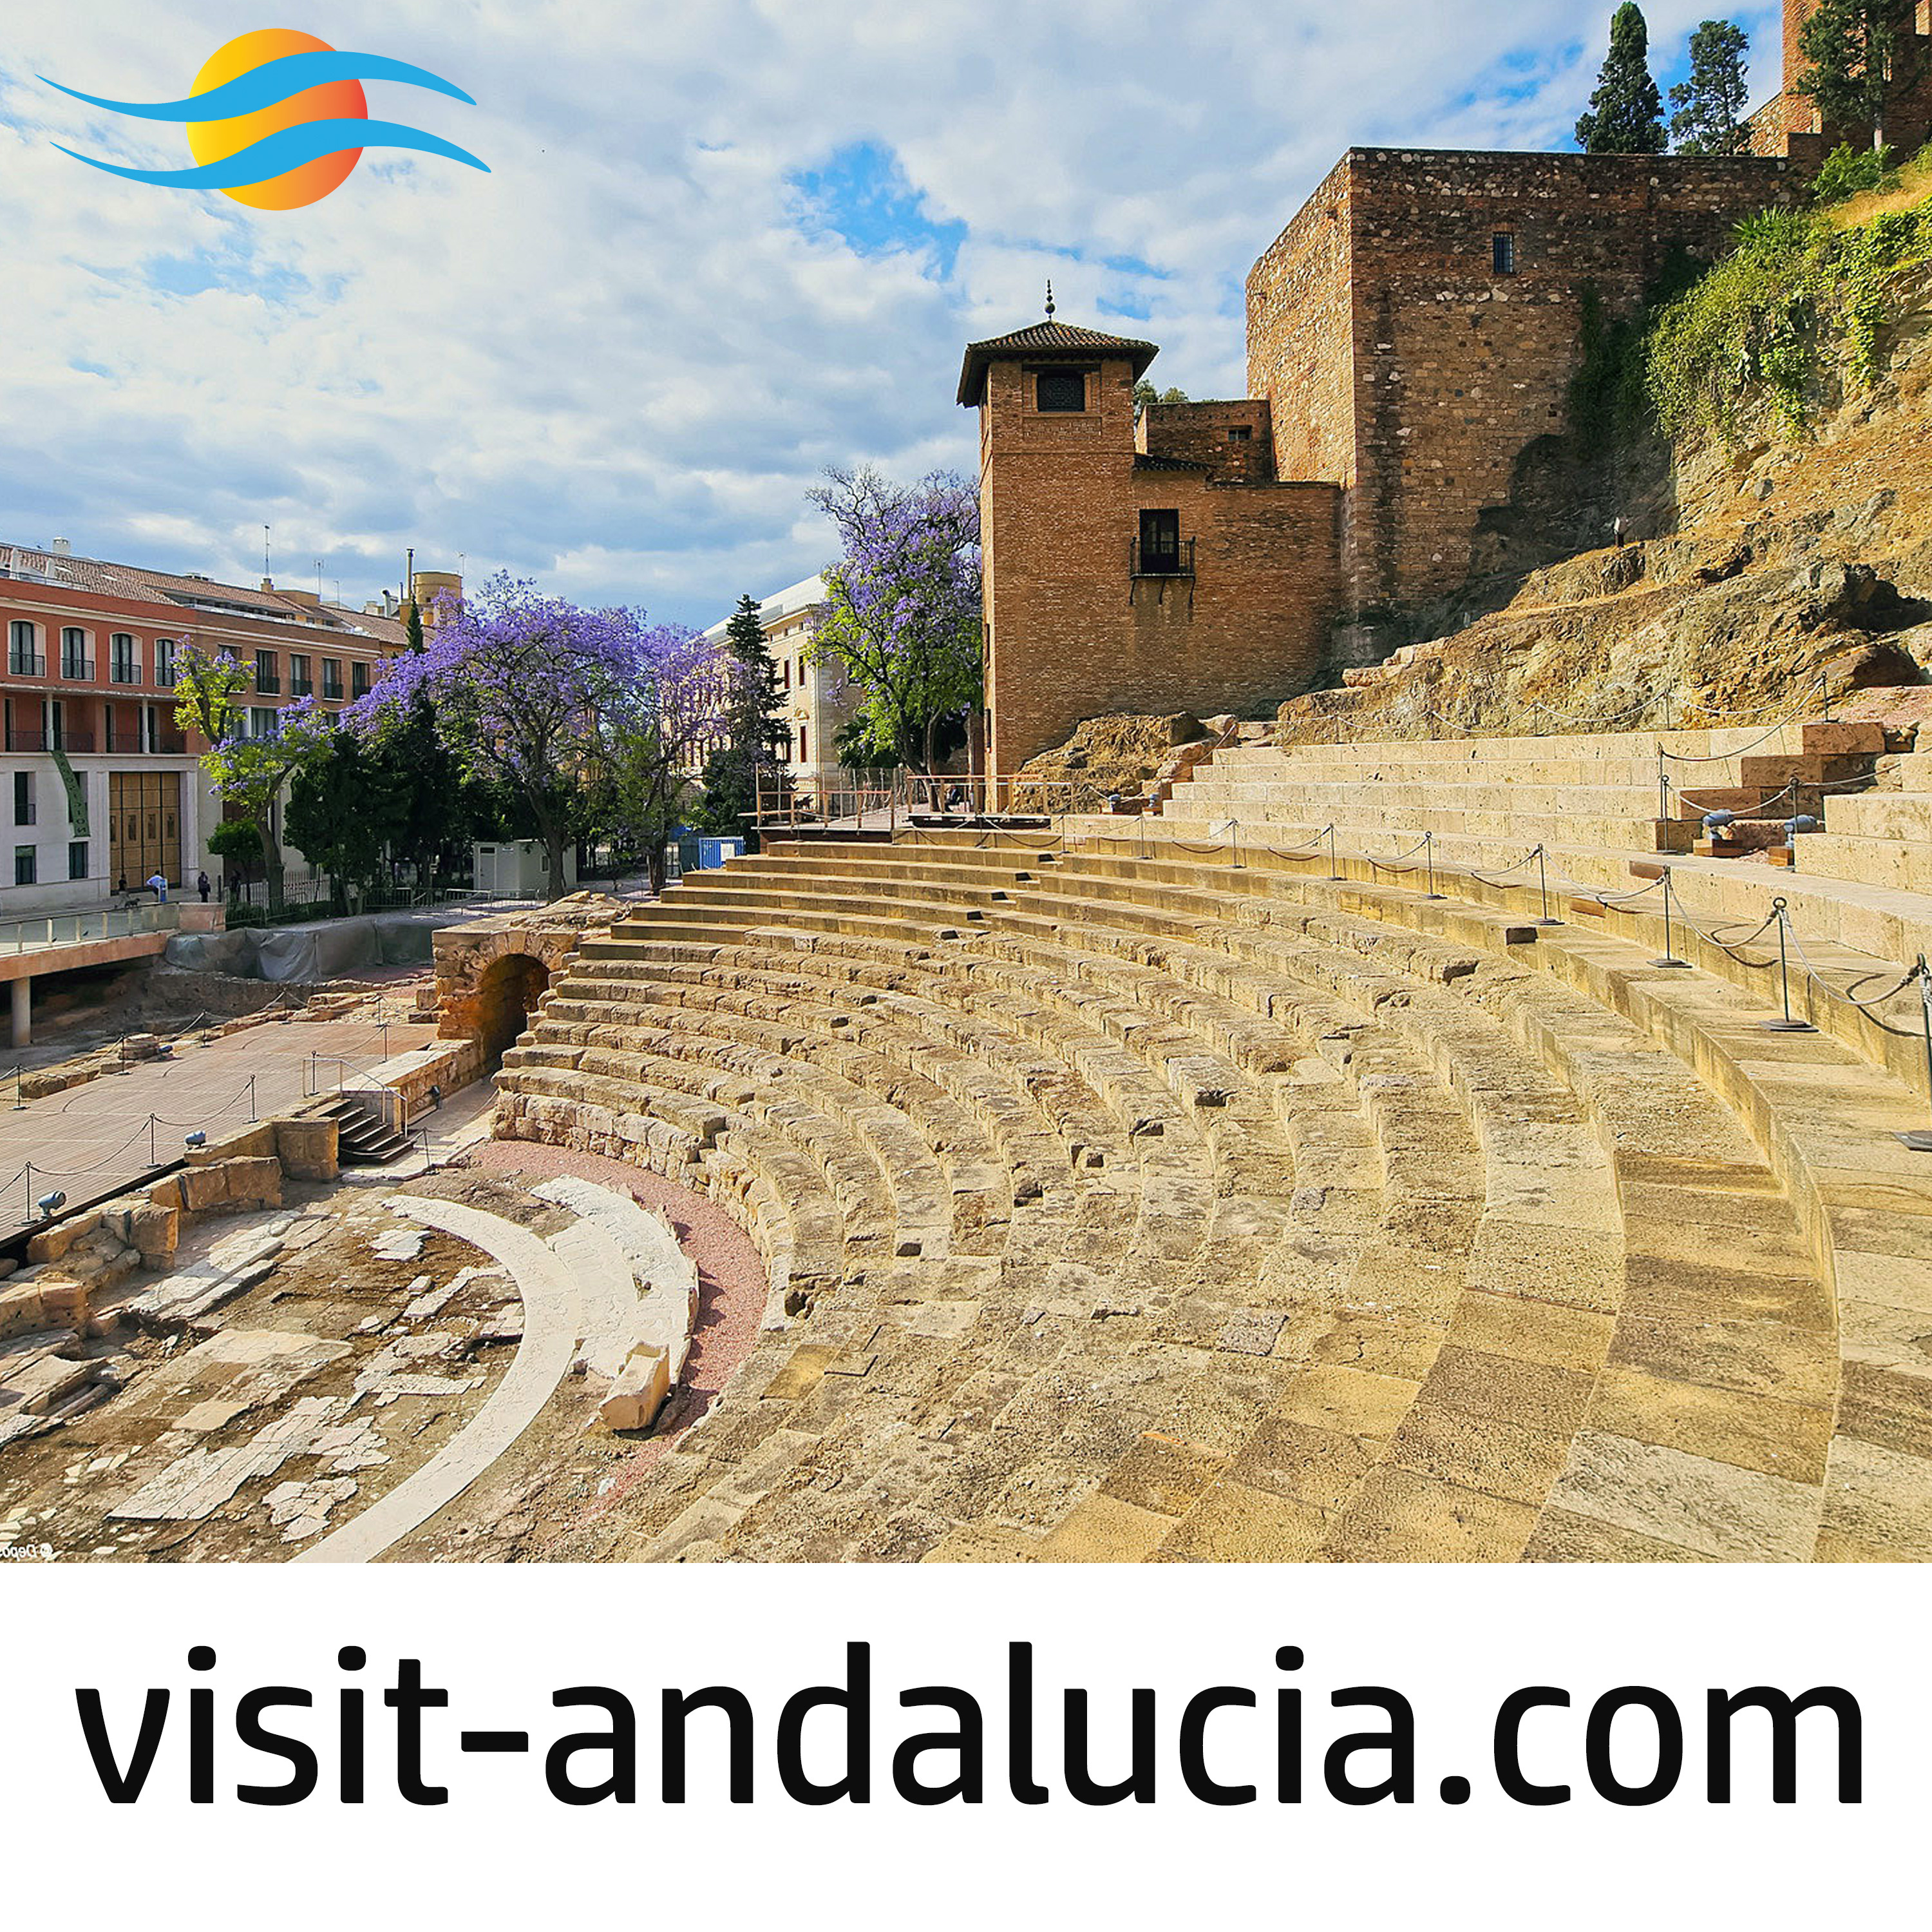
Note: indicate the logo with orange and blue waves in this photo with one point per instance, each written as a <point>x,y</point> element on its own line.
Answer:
<point>278,119</point>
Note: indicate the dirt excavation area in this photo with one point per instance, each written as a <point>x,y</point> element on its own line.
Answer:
<point>417,1368</point>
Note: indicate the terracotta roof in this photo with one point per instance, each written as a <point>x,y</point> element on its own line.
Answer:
<point>104,579</point>
<point>1045,338</point>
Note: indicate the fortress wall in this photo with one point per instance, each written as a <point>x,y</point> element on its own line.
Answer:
<point>1454,368</point>
<point>1210,433</point>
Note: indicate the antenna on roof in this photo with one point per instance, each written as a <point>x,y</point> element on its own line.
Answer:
<point>266,571</point>
<point>1049,298</point>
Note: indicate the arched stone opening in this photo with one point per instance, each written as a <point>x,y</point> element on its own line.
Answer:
<point>506,996</point>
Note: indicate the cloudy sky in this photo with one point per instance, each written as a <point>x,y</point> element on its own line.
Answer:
<point>723,244</point>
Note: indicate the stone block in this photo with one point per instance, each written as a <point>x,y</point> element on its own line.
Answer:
<point>308,1150</point>
<point>63,1302</point>
<point>249,1182</point>
<point>53,1243</point>
<point>20,1312</point>
<point>638,1392</point>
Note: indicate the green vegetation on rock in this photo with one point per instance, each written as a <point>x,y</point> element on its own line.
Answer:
<point>1803,298</point>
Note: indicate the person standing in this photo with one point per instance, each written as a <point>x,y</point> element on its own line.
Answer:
<point>205,887</point>
<point>157,884</point>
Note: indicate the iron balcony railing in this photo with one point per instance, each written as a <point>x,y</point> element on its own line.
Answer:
<point>301,687</point>
<point>331,690</point>
<point>268,681</point>
<point>160,744</point>
<point>29,738</point>
<point>1174,559</point>
<point>164,676</point>
<point>125,673</point>
<point>26,664</point>
<point>80,669</point>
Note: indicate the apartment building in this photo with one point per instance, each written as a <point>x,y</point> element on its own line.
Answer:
<point>819,699</point>
<point>101,787</point>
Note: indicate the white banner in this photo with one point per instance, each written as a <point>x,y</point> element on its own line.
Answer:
<point>1522,1747</point>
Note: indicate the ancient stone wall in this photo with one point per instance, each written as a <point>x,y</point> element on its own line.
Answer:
<point>490,972</point>
<point>1231,440</point>
<point>1416,326</point>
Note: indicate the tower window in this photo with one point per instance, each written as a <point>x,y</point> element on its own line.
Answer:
<point>1502,253</point>
<point>1061,391</point>
<point>1241,433</point>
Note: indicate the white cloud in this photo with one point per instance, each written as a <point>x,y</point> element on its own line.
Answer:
<point>617,361</point>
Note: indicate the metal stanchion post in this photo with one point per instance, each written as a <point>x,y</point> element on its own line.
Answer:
<point>1334,870</point>
<point>251,1097</point>
<point>1429,861</point>
<point>1670,957</point>
<point>1785,1023</point>
<point>150,1140</point>
<point>1919,1139</point>
<point>1542,891</point>
<point>1234,827</point>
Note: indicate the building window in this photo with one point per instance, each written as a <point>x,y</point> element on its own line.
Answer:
<point>75,662</point>
<point>787,673</point>
<point>164,663</point>
<point>804,756</point>
<point>301,684</point>
<point>1061,391</point>
<point>1160,553</point>
<point>122,667</point>
<point>76,859</point>
<point>22,660</point>
<point>1241,433</point>
<point>331,677</point>
<point>358,680</point>
<point>264,722</point>
<point>24,813</point>
<point>1502,253</point>
<point>268,674</point>
<point>26,865</point>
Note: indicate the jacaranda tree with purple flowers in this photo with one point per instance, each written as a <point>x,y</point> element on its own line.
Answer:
<point>903,605</point>
<point>561,702</point>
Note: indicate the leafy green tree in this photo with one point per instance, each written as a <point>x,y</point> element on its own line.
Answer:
<point>1626,112</point>
<point>1145,393</point>
<point>413,629</point>
<point>902,604</point>
<point>1710,105</point>
<point>250,773</point>
<point>237,843</point>
<point>1858,53</point>
<point>342,812</point>
<point>755,735</point>
<point>409,762</point>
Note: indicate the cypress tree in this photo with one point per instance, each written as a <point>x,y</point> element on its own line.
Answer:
<point>1709,116</point>
<point>1626,112</point>
<point>755,732</point>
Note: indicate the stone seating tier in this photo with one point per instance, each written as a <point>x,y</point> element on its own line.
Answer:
<point>1342,1222</point>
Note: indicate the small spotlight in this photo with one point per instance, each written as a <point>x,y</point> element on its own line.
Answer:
<point>196,1139</point>
<point>1804,822</point>
<point>1715,820</point>
<point>50,1205</point>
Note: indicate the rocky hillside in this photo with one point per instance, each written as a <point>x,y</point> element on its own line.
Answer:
<point>1793,506</point>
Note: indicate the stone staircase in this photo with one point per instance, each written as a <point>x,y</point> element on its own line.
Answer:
<point>1486,799</point>
<point>1121,1201</point>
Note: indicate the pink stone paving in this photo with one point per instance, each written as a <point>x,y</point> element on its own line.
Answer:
<point>731,1279</point>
